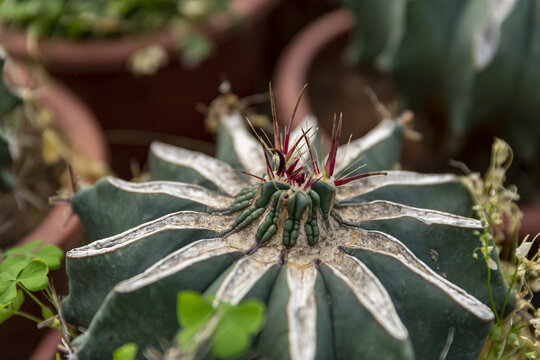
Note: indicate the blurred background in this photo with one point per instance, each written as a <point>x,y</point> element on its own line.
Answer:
<point>91,83</point>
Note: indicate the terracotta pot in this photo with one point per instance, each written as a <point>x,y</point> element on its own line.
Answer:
<point>530,224</point>
<point>166,101</point>
<point>316,57</point>
<point>292,70</point>
<point>18,336</point>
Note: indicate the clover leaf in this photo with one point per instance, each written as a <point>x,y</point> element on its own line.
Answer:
<point>7,311</point>
<point>8,288</point>
<point>234,325</point>
<point>126,352</point>
<point>230,340</point>
<point>192,309</point>
<point>25,269</point>
<point>50,254</point>
<point>34,275</point>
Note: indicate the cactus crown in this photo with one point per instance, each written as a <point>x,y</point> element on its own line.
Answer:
<point>301,187</point>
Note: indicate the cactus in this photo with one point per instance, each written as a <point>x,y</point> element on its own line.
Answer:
<point>474,61</point>
<point>353,262</point>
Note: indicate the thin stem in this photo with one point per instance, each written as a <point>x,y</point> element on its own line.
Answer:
<point>492,300</point>
<point>50,296</point>
<point>512,283</point>
<point>28,316</point>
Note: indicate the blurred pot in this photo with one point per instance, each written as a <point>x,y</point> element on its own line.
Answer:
<point>165,101</point>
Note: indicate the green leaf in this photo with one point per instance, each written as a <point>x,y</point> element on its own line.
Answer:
<point>126,352</point>
<point>46,313</point>
<point>34,275</point>
<point>8,288</point>
<point>185,338</point>
<point>5,314</point>
<point>14,265</point>
<point>16,304</point>
<point>26,249</point>
<point>192,309</point>
<point>9,310</point>
<point>230,340</point>
<point>249,315</point>
<point>51,255</point>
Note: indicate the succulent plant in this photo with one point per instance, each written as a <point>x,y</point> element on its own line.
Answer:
<point>6,179</point>
<point>8,102</point>
<point>352,262</point>
<point>88,18</point>
<point>474,61</point>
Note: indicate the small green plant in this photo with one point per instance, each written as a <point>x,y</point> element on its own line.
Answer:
<point>89,19</point>
<point>23,272</point>
<point>511,338</point>
<point>210,329</point>
<point>126,352</point>
<point>217,328</point>
<point>8,102</point>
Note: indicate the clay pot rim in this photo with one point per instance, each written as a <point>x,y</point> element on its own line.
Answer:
<point>110,55</point>
<point>294,64</point>
<point>83,130</point>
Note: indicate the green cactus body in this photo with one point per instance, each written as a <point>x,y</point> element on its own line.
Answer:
<point>472,61</point>
<point>347,271</point>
